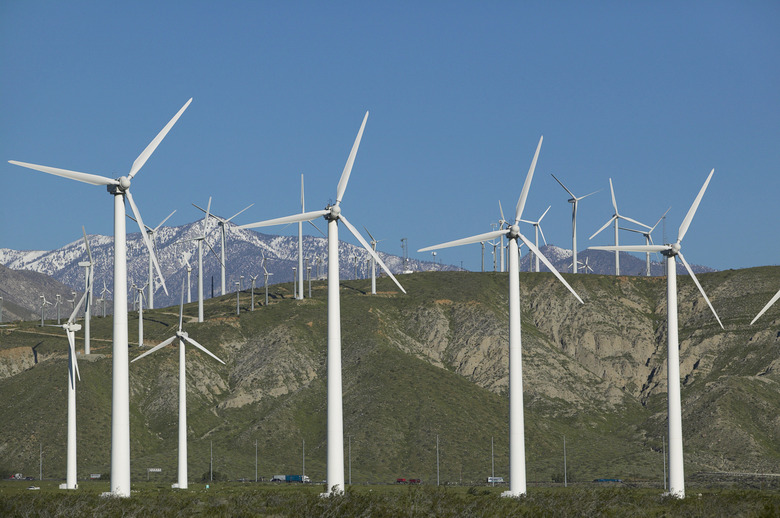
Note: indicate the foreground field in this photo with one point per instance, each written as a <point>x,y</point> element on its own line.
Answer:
<point>237,500</point>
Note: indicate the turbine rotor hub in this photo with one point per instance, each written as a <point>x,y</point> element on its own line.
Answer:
<point>335,212</point>
<point>514,232</point>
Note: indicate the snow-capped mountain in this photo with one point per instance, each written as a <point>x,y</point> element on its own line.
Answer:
<point>175,246</point>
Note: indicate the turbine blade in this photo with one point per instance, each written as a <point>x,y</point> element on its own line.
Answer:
<point>155,348</point>
<point>370,251</point>
<point>146,238</point>
<point>768,305</point>
<point>549,265</point>
<point>342,186</point>
<point>635,222</point>
<point>543,215</point>
<point>467,240</point>
<point>77,308</point>
<point>213,252</point>
<point>542,233</point>
<point>303,204</point>
<point>527,185</point>
<point>632,248</point>
<point>589,194</point>
<point>369,234</point>
<point>72,345</point>
<point>632,230</point>
<point>318,228</point>
<point>501,211</point>
<point>65,173</point>
<point>163,221</point>
<point>609,221</point>
<point>696,281</point>
<point>239,212</point>
<point>206,217</point>
<point>303,216</point>
<point>146,153</point>
<point>564,187</point>
<point>659,219</point>
<point>196,344</point>
<point>86,244</point>
<point>688,217</point>
<point>612,190</point>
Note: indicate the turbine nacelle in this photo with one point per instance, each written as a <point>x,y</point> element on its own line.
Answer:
<point>335,212</point>
<point>514,232</point>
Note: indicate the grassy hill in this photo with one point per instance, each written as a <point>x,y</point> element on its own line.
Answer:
<point>433,362</point>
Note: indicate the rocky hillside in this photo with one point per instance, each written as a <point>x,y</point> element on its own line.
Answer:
<point>433,362</point>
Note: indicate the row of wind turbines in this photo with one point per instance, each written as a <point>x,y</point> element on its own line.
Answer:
<point>120,435</point>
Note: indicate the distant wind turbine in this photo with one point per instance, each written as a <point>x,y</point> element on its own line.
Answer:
<point>222,222</point>
<point>119,188</point>
<point>335,458</point>
<point>648,239</point>
<point>537,229</point>
<point>616,217</point>
<point>152,233</point>
<point>574,200</point>
<point>183,337</point>
<point>70,327</point>
<point>517,474</point>
<point>89,279</point>
<point>671,252</point>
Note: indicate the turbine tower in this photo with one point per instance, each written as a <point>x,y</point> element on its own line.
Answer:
<point>222,222</point>
<point>70,327</point>
<point>89,278</point>
<point>537,229</point>
<point>119,188</point>
<point>674,406</point>
<point>574,200</point>
<point>183,337</point>
<point>616,217</point>
<point>333,214</point>
<point>517,475</point>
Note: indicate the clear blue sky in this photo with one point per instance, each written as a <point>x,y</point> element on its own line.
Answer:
<point>652,94</point>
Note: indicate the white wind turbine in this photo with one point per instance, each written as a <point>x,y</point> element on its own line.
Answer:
<point>768,305</point>
<point>70,327</point>
<point>119,188</point>
<point>152,233</point>
<point>222,222</point>
<point>201,239</point>
<point>648,239</point>
<point>335,466</point>
<point>254,278</point>
<point>266,274</point>
<point>44,303</point>
<point>616,217</point>
<point>517,475</point>
<point>373,263</point>
<point>89,279</point>
<point>183,337</point>
<point>537,229</point>
<point>574,200</point>
<point>140,296</point>
<point>671,251</point>
<point>103,297</point>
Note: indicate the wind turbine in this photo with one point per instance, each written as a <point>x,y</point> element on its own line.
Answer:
<point>44,303</point>
<point>183,337</point>
<point>333,214</point>
<point>70,327</point>
<point>671,251</point>
<point>189,274</point>
<point>57,307</point>
<point>266,274</point>
<point>152,233</point>
<point>119,188</point>
<point>103,297</point>
<point>373,263</point>
<point>200,239</point>
<point>768,305</point>
<point>140,314</point>
<point>648,238</point>
<point>222,222</point>
<point>517,475</point>
<point>89,279</point>
<point>574,200</point>
<point>616,217</point>
<point>254,278</point>
<point>537,228</point>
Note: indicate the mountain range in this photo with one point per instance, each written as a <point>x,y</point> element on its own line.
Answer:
<point>175,246</point>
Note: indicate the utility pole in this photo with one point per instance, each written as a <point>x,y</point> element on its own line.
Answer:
<point>303,460</point>
<point>255,460</point>
<point>437,459</point>
<point>211,443</point>
<point>565,475</point>
<point>492,462</point>
<point>238,295</point>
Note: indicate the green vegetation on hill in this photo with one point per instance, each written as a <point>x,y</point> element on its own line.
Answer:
<point>433,362</point>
